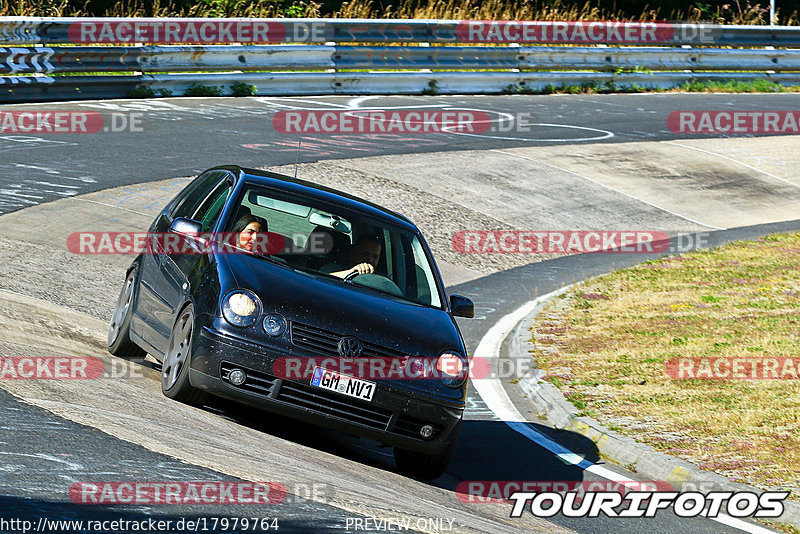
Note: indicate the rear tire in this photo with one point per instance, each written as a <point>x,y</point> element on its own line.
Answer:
<point>427,466</point>
<point>175,367</point>
<point>119,341</point>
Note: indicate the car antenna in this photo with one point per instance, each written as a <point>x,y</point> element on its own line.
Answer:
<point>297,160</point>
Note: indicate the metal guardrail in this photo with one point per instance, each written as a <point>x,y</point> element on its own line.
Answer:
<point>323,69</point>
<point>47,60</point>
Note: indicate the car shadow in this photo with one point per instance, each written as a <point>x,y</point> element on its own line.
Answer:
<point>487,449</point>
<point>493,451</point>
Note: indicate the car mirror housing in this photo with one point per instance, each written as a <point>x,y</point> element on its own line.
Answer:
<point>462,306</point>
<point>184,226</point>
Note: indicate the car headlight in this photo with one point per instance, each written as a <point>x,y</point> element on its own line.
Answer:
<point>453,369</point>
<point>241,308</point>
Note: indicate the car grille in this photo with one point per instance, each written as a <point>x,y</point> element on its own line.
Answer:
<point>321,401</point>
<point>326,343</point>
<point>310,398</point>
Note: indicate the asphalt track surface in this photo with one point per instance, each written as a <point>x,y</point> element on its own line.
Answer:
<point>182,137</point>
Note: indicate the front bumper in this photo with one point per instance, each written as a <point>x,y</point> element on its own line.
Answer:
<point>392,417</point>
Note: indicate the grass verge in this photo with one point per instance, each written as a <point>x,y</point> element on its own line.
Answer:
<point>606,344</point>
<point>693,86</point>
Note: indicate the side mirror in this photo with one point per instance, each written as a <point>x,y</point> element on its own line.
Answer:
<point>184,226</point>
<point>462,306</point>
<point>189,232</point>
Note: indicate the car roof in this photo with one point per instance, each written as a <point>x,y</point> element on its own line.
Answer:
<point>321,192</point>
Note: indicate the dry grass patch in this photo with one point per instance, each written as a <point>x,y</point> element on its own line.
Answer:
<point>606,345</point>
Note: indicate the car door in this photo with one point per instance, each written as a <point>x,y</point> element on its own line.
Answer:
<point>180,271</point>
<point>156,298</point>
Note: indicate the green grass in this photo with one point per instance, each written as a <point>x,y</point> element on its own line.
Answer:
<point>609,355</point>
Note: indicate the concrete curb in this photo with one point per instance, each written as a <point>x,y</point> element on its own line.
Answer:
<point>549,403</point>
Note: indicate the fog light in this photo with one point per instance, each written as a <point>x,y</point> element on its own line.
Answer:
<point>274,324</point>
<point>426,431</point>
<point>237,377</point>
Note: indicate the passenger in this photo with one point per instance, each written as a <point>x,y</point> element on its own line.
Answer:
<point>364,255</point>
<point>247,230</point>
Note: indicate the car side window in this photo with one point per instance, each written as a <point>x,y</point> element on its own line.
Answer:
<point>209,210</point>
<point>196,193</point>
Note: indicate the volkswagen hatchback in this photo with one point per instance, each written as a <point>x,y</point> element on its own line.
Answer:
<point>301,300</point>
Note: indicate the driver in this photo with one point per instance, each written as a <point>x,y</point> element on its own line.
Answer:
<point>364,255</point>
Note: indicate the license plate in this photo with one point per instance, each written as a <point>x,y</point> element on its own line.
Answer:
<point>346,385</point>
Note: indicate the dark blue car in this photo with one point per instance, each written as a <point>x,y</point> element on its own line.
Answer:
<point>301,300</point>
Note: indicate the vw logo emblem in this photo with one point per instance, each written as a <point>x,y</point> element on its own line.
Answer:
<point>349,347</point>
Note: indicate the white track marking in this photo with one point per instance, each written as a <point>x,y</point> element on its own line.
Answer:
<point>735,161</point>
<point>607,187</point>
<point>741,525</point>
<point>606,134</point>
<point>70,465</point>
<point>354,106</point>
<point>356,102</point>
<point>112,206</point>
<point>271,101</point>
<point>52,184</point>
<point>496,398</point>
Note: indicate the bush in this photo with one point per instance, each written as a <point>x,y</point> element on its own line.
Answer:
<point>243,89</point>
<point>203,90</point>
<point>142,92</point>
<point>432,89</point>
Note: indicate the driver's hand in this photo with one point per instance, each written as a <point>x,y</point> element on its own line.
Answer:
<point>363,268</point>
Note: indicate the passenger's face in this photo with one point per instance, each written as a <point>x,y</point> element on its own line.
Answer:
<point>248,236</point>
<point>366,252</point>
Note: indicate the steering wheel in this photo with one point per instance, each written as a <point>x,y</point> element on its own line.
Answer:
<point>375,281</point>
<point>352,275</point>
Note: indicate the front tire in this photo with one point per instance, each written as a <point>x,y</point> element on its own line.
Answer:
<point>175,367</point>
<point>427,466</point>
<point>119,340</point>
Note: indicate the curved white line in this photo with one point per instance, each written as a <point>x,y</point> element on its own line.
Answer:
<point>356,102</point>
<point>606,134</point>
<point>496,398</point>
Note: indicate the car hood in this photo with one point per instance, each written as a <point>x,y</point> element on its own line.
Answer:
<point>344,308</point>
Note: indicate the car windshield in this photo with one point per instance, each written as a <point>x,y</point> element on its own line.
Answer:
<point>315,238</point>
